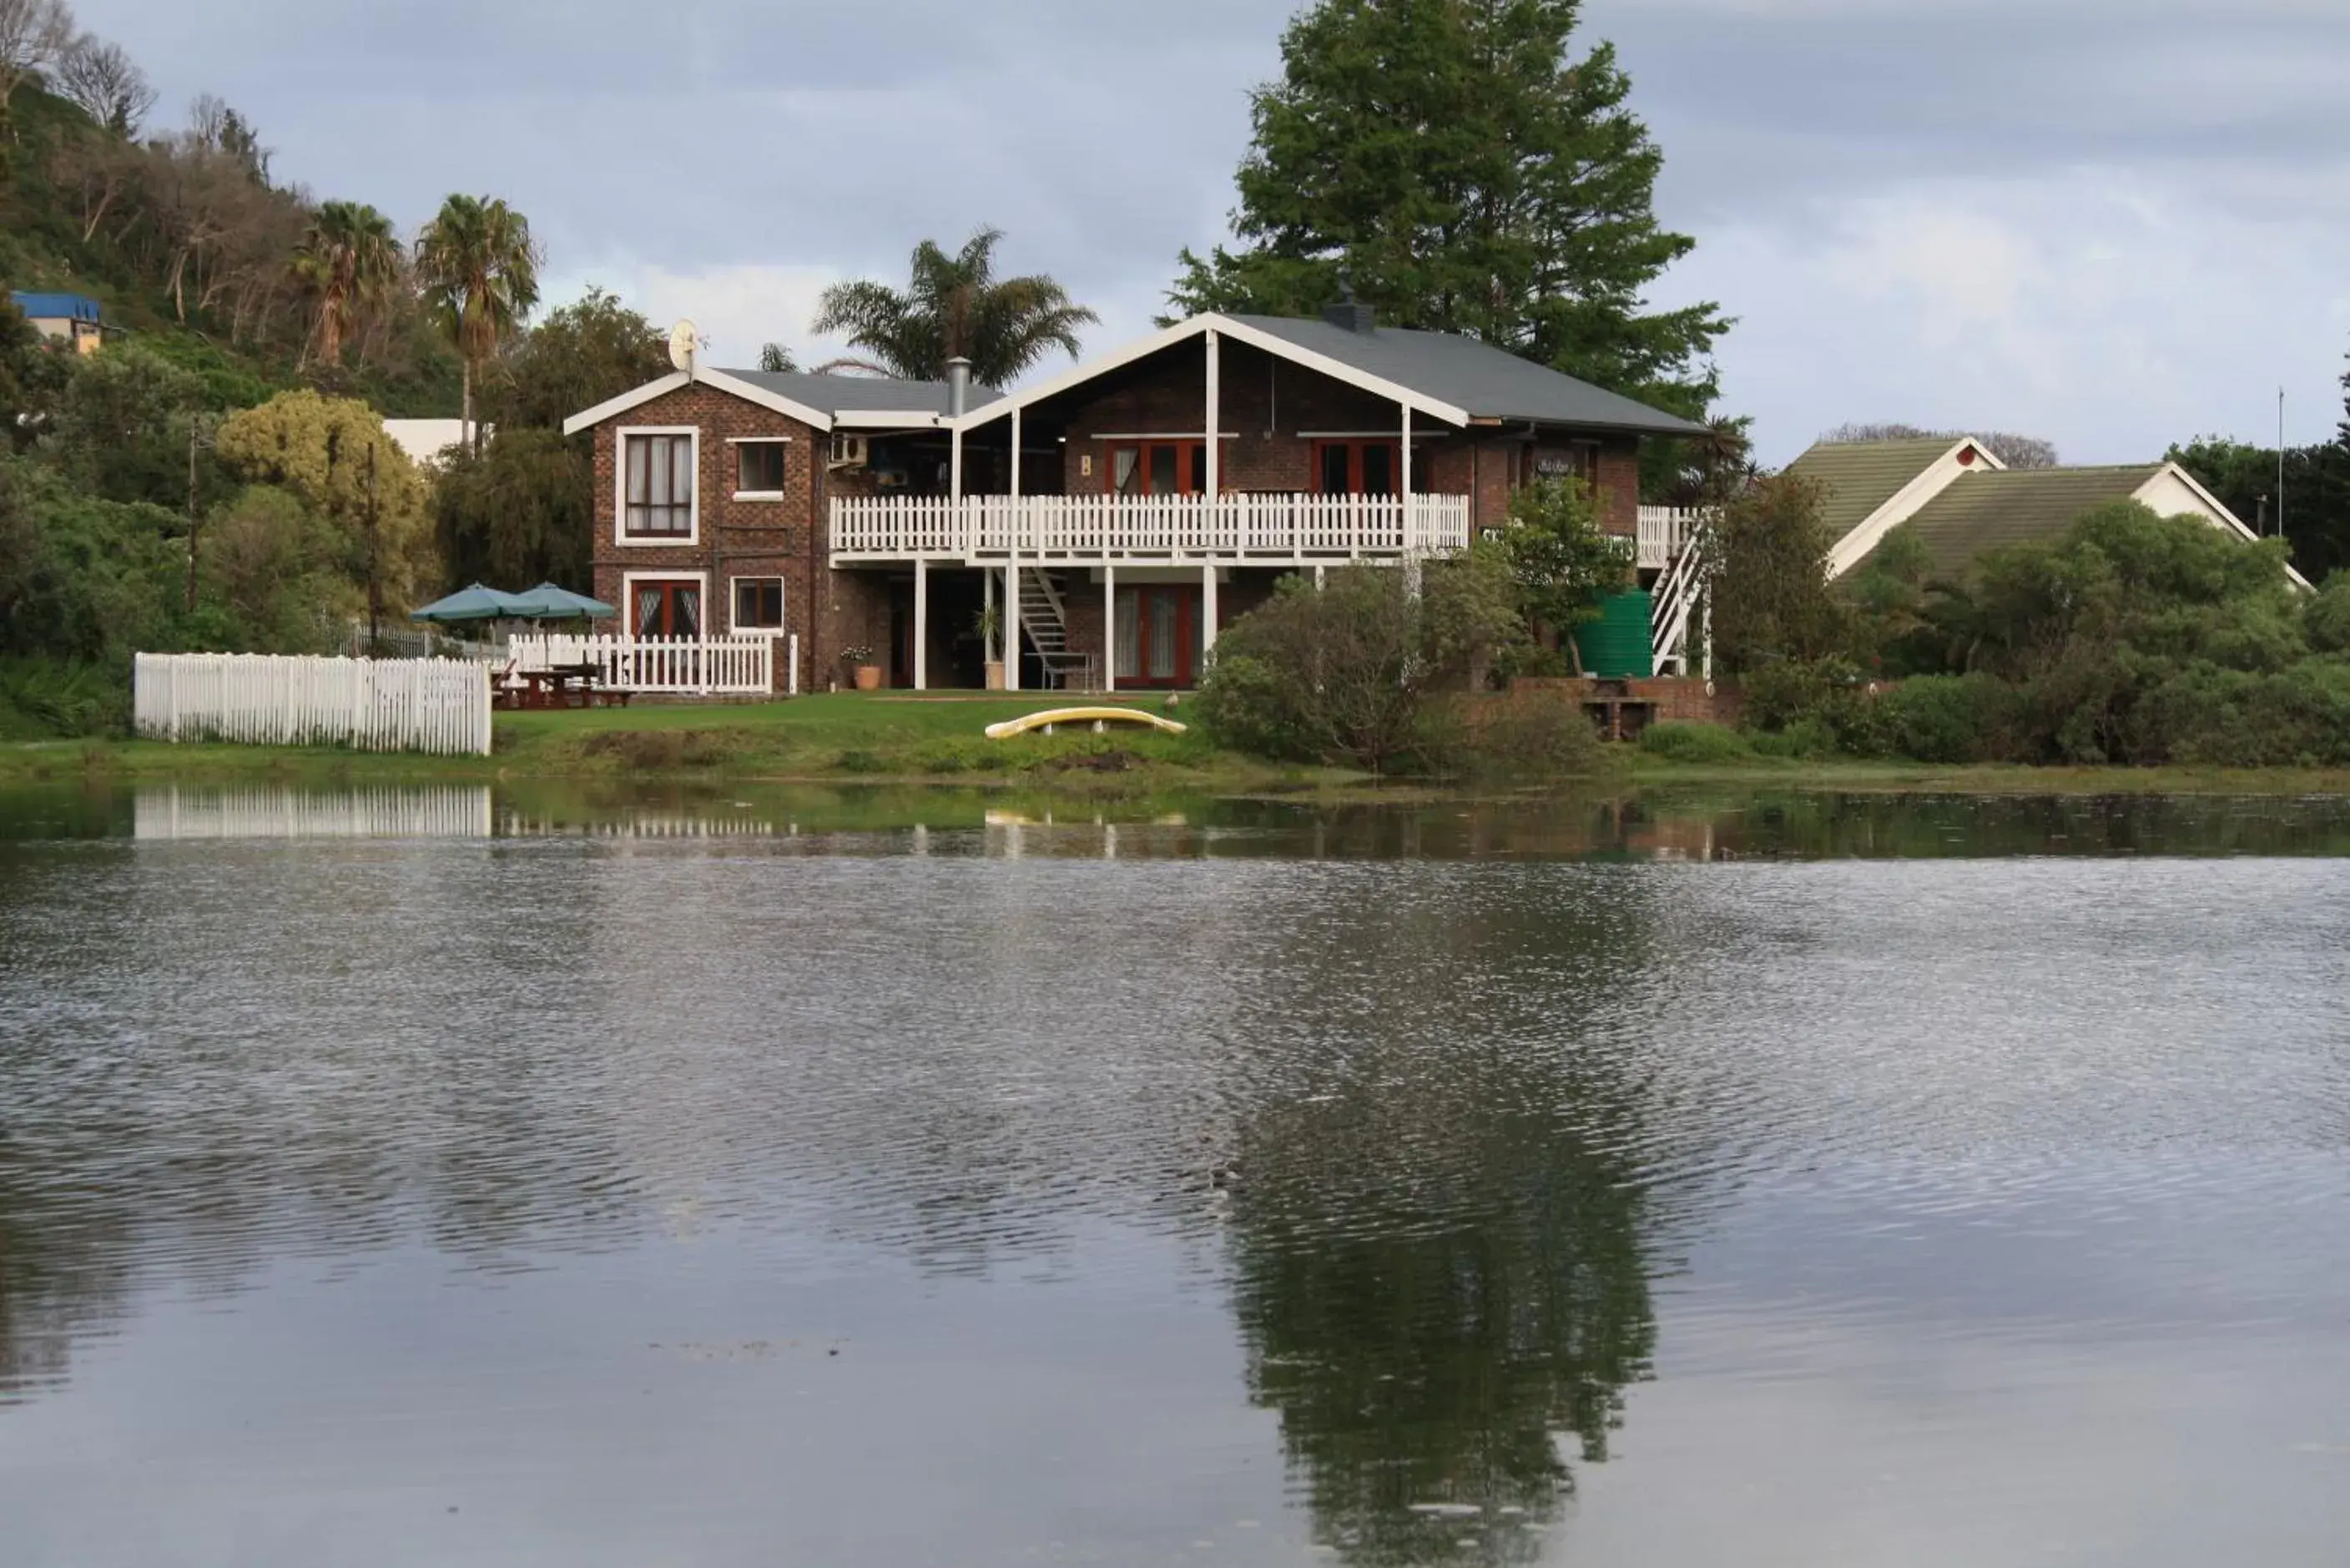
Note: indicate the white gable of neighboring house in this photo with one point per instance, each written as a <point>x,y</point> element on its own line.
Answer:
<point>424,441</point>
<point>2174,492</point>
<point>1965,456</point>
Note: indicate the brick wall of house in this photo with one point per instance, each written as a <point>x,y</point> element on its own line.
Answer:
<point>735,538</point>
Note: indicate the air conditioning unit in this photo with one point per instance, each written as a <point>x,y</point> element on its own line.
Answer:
<point>850,450</point>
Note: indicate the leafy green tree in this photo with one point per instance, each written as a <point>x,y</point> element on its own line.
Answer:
<point>277,572</point>
<point>348,261</point>
<point>120,428</point>
<point>955,306</point>
<point>2316,493</point>
<point>1768,578</point>
<point>1456,164</point>
<point>82,578</point>
<point>519,514</point>
<point>31,377</point>
<point>1562,560</point>
<point>578,356</point>
<point>479,269</point>
<point>332,454</point>
<point>778,359</point>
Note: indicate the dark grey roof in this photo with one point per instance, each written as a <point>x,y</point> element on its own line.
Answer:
<point>839,394</point>
<point>1489,383</point>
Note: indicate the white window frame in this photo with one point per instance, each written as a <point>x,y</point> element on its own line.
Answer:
<point>629,581</point>
<point>620,534</point>
<point>734,441</point>
<point>782,603</point>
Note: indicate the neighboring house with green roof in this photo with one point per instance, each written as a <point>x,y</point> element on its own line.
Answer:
<point>1959,500</point>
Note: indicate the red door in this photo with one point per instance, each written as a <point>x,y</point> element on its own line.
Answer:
<point>1158,636</point>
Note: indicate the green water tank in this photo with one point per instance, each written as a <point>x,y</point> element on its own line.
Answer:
<point>1617,644</point>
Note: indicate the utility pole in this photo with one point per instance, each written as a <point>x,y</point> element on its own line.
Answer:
<point>198,436</point>
<point>375,575</point>
<point>2279,462</point>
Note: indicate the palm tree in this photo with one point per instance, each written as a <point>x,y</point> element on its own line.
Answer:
<point>479,272</point>
<point>955,306</point>
<point>348,260</point>
<point>774,356</point>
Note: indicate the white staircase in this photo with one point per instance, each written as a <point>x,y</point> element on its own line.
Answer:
<point>1044,619</point>
<point>1678,598</point>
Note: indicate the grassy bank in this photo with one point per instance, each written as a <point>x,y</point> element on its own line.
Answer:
<point>894,738</point>
<point>833,738</point>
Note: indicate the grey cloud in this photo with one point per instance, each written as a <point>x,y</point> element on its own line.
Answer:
<point>704,135</point>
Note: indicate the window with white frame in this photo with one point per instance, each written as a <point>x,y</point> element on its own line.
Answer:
<point>759,470</point>
<point>657,484</point>
<point>758,604</point>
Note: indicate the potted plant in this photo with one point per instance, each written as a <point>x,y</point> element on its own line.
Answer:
<point>861,668</point>
<point>988,626</point>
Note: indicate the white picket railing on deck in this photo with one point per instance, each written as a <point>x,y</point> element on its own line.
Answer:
<point>438,705</point>
<point>716,665</point>
<point>1095,527</point>
<point>1663,530</point>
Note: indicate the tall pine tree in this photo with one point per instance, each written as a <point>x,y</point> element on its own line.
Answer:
<point>1453,162</point>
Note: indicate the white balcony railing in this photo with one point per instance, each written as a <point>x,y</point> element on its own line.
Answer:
<point>1663,531</point>
<point>1276,527</point>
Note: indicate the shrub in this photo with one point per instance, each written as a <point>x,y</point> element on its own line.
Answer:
<point>2326,618</point>
<point>1939,719</point>
<point>1536,734</point>
<point>41,699</point>
<point>1700,745</point>
<point>1346,673</point>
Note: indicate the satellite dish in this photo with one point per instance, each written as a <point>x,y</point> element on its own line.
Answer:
<point>684,338</point>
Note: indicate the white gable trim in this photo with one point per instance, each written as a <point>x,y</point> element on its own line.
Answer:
<point>1907,501</point>
<point>588,418</point>
<point>624,401</point>
<point>2207,505</point>
<point>885,420</point>
<point>1183,331</point>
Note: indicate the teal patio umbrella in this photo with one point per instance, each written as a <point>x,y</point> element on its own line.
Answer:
<point>547,602</point>
<point>474,602</point>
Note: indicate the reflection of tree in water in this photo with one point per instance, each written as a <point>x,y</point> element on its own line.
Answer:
<point>1442,1243</point>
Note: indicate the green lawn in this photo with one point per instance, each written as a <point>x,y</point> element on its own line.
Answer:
<point>845,736</point>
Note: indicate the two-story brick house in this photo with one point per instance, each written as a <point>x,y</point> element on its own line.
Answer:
<point>1100,525</point>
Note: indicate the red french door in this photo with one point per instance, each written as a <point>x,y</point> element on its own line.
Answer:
<point>1157,634</point>
<point>1155,468</point>
<point>665,606</point>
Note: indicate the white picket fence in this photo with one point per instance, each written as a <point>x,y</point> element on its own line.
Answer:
<point>731,666</point>
<point>438,705</point>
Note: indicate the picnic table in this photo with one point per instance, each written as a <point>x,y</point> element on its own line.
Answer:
<point>560,686</point>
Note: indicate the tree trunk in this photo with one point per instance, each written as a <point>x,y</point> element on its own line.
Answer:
<point>465,425</point>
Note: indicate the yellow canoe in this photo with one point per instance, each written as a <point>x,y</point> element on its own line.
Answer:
<point>1099,718</point>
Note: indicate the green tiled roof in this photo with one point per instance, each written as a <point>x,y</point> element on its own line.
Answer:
<point>1991,509</point>
<point>1856,477</point>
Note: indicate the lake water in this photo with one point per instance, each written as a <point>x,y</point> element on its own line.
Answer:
<point>443,1178</point>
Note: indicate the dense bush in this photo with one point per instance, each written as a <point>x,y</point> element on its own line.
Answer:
<point>41,699</point>
<point>1935,718</point>
<point>1533,733</point>
<point>1347,673</point>
<point>1702,745</point>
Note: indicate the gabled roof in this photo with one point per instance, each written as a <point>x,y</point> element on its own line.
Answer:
<point>1856,478</point>
<point>1990,511</point>
<point>52,306</point>
<point>819,401</point>
<point>1490,383</point>
<point>860,394</point>
<point>1456,379</point>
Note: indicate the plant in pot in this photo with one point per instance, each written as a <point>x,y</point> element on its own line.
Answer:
<point>863,673</point>
<point>988,626</point>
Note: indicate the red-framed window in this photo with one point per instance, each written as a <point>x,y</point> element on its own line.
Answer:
<point>1171,467</point>
<point>665,606</point>
<point>1357,466</point>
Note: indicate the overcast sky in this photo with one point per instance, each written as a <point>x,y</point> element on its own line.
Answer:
<point>2113,222</point>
